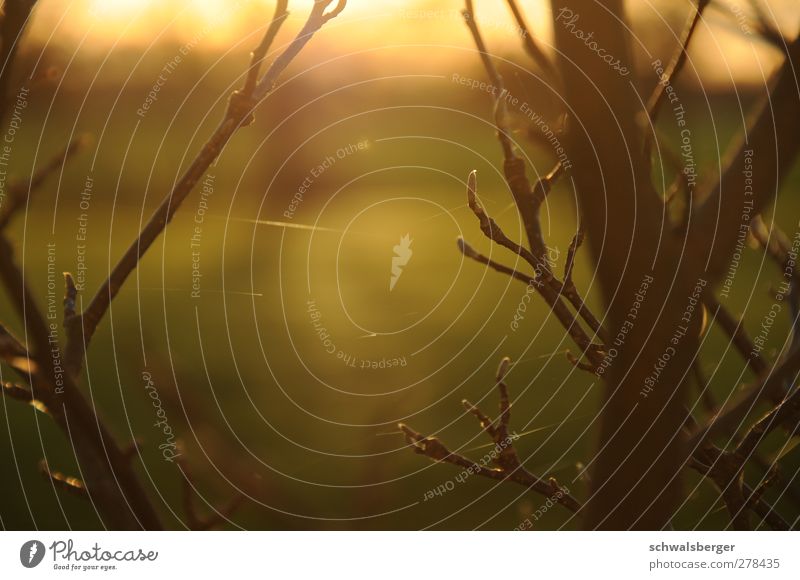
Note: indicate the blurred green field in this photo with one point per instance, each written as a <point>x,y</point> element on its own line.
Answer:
<point>258,402</point>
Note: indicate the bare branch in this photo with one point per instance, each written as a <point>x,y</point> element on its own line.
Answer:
<point>766,28</point>
<point>513,165</point>
<point>718,218</point>
<point>16,16</point>
<point>545,183</point>
<point>677,62</point>
<point>769,386</point>
<point>316,19</point>
<point>531,46</point>
<point>546,285</point>
<point>281,13</point>
<point>81,328</point>
<point>508,466</point>
<point>64,482</point>
<point>16,355</point>
<point>738,335</point>
<point>504,418</point>
<point>725,471</point>
<point>17,392</point>
<point>472,253</point>
<point>490,228</point>
<point>570,291</point>
<point>19,193</point>
<point>788,412</point>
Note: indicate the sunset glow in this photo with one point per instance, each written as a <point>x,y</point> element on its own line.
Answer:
<point>369,24</point>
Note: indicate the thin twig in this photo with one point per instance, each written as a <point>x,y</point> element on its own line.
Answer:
<point>736,332</point>
<point>678,60</point>
<point>788,411</point>
<point>513,165</point>
<point>281,13</point>
<point>531,46</point>
<point>768,386</point>
<point>19,193</point>
<point>473,254</point>
<point>569,289</point>
<point>542,282</point>
<point>508,466</point>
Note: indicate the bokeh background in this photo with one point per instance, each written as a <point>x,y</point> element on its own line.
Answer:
<point>370,118</point>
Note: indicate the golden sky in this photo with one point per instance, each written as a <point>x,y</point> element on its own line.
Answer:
<point>102,23</point>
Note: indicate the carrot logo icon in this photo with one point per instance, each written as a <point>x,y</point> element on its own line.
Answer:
<point>402,254</point>
<point>31,553</point>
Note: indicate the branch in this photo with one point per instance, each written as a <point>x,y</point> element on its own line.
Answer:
<point>81,328</point>
<point>316,19</point>
<point>677,62</point>
<point>788,412</point>
<point>725,471</point>
<point>735,330</point>
<point>67,483</point>
<point>571,291</point>
<point>18,194</point>
<point>16,355</point>
<point>508,466</point>
<point>513,165</point>
<point>17,392</point>
<point>12,27</point>
<point>668,77</point>
<point>715,225</point>
<point>470,252</point>
<point>258,55</point>
<point>528,201</point>
<point>492,231</point>
<point>770,385</point>
<point>531,46</point>
<point>766,29</point>
<point>779,248</point>
<point>546,285</point>
<point>111,482</point>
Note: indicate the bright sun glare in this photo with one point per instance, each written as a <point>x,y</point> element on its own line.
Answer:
<point>141,19</point>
